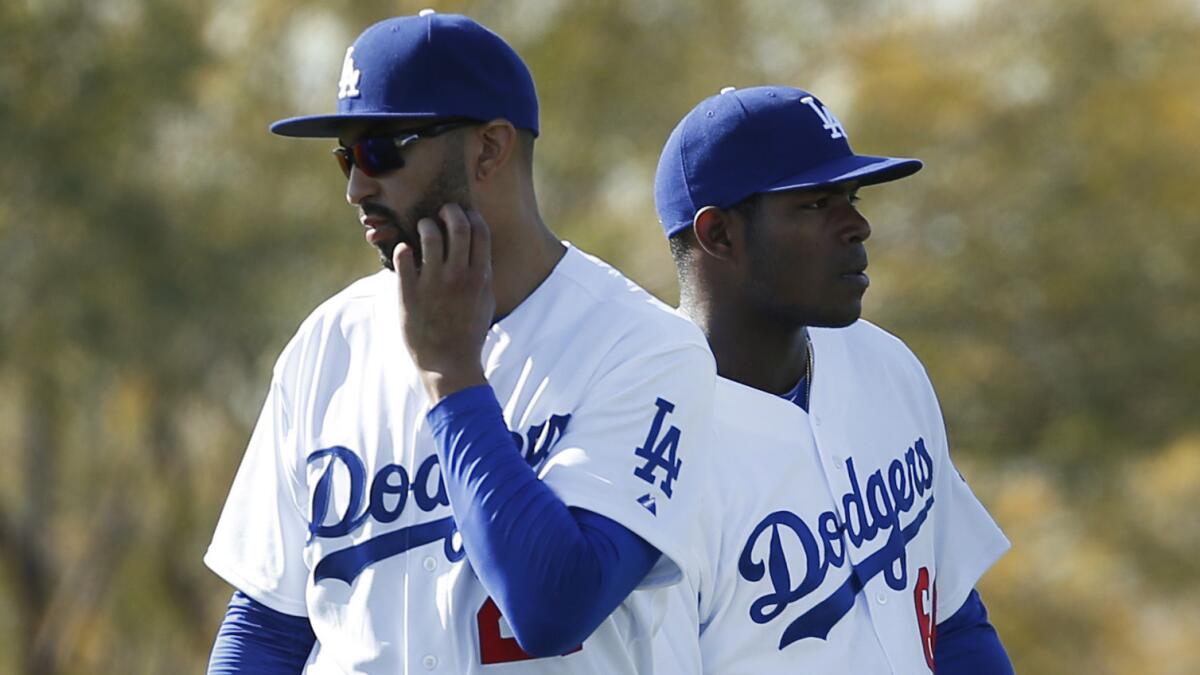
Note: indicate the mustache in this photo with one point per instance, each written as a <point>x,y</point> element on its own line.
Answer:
<point>374,210</point>
<point>379,211</point>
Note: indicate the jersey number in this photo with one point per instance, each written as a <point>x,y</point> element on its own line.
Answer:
<point>925,600</point>
<point>494,647</point>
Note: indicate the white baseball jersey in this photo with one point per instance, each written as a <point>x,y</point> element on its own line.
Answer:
<point>339,512</point>
<point>837,538</point>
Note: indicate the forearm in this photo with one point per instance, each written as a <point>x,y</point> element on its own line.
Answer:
<point>556,573</point>
<point>967,643</point>
<point>254,638</point>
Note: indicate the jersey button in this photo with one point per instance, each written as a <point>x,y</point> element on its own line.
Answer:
<point>430,565</point>
<point>881,599</point>
<point>430,662</point>
<point>816,420</point>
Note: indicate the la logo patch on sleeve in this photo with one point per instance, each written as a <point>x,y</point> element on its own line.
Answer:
<point>660,452</point>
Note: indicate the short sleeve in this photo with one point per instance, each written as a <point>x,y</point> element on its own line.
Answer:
<point>259,541</point>
<point>628,449</point>
<point>966,540</point>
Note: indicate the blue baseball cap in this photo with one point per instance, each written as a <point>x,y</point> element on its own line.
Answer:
<point>763,139</point>
<point>426,66</point>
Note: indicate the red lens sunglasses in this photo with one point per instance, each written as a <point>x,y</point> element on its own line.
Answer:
<point>377,155</point>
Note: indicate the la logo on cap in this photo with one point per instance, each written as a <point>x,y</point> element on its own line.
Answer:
<point>348,85</point>
<point>831,123</point>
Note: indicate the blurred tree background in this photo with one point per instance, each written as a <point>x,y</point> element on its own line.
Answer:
<point>159,247</point>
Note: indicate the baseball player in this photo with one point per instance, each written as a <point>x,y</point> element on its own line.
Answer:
<point>843,538</point>
<point>469,461</point>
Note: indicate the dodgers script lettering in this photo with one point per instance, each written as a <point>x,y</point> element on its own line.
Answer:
<point>385,498</point>
<point>867,514</point>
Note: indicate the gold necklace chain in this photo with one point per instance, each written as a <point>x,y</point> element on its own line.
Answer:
<point>809,373</point>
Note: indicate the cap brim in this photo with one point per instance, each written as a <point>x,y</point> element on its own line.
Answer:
<point>865,169</point>
<point>331,126</point>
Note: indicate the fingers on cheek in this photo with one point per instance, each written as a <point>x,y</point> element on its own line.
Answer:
<point>428,231</point>
<point>459,230</point>
<point>432,243</point>
<point>407,261</point>
<point>477,222</point>
<point>451,212</point>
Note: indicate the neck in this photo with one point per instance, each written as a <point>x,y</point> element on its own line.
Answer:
<point>524,253</point>
<point>751,349</point>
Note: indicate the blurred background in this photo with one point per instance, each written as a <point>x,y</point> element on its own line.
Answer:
<point>159,247</point>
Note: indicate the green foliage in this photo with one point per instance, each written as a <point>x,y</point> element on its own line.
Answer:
<point>160,246</point>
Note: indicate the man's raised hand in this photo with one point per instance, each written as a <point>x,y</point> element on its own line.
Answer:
<point>447,305</point>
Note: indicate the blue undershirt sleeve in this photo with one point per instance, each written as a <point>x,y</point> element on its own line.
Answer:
<point>555,572</point>
<point>967,644</point>
<point>257,639</point>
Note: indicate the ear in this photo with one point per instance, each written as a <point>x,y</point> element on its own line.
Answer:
<point>716,232</point>
<point>497,141</point>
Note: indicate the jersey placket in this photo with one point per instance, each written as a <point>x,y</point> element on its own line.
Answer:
<point>832,455</point>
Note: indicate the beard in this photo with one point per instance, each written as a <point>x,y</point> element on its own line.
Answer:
<point>449,187</point>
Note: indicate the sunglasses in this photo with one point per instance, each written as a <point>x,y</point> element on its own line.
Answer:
<point>377,155</point>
